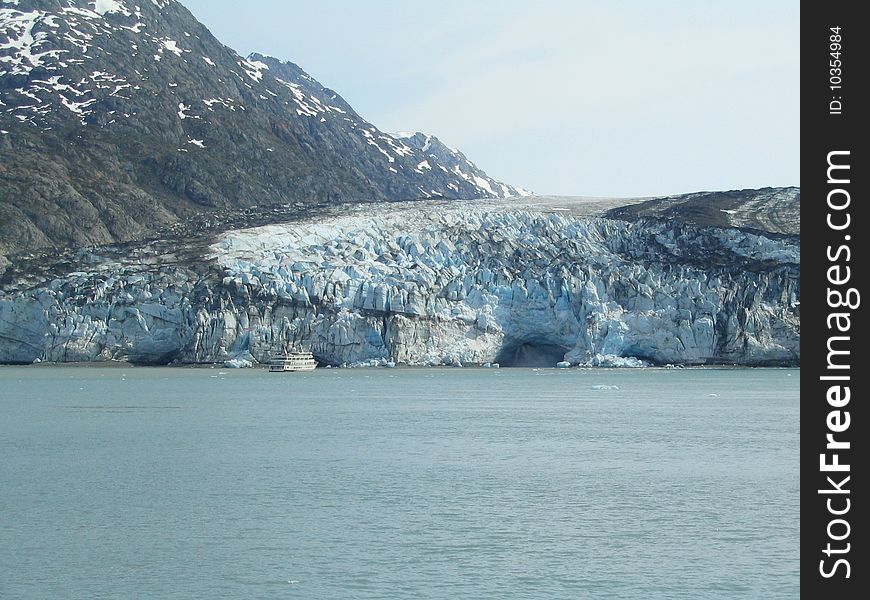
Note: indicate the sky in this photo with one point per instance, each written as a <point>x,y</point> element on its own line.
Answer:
<point>614,98</point>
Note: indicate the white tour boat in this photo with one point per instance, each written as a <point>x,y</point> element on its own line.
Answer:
<point>293,361</point>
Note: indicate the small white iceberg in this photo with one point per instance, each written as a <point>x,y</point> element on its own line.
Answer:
<point>238,363</point>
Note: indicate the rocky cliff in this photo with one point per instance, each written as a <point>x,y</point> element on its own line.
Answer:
<point>434,283</point>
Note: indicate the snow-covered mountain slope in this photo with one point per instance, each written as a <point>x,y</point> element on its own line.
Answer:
<point>427,283</point>
<point>453,163</point>
<point>119,118</point>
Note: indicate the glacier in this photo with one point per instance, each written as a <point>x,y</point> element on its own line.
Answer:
<point>436,283</point>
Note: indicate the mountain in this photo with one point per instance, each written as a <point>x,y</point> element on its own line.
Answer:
<point>122,121</point>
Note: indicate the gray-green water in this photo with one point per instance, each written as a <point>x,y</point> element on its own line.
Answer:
<point>453,483</point>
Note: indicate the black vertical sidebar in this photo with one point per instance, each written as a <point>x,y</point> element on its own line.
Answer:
<point>834,175</point>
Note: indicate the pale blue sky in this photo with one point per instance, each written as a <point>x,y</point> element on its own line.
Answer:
<point>606,98</point>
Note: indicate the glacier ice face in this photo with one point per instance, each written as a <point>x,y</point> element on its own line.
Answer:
<point>443,283</point>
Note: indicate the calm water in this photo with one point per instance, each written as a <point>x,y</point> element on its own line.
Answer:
<point>453,483</point>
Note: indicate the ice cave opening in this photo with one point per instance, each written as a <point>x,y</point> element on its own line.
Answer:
<point>525,353</point>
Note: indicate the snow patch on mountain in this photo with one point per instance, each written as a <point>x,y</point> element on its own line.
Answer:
<point>102,7</point>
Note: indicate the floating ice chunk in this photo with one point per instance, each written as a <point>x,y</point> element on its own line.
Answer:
<point>611,360</point>
<point>238,363</point>
<point>605,387</point>
<point>563,364</point>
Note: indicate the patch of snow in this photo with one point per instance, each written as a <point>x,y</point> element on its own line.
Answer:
<point>225,102</point>
<point>134,28</point>
<point>484,185</point>
<point>370,139</point>
<point>88,14</point>
<point>303,107</point>
<point>76,107</point>
<point>398,147</point>
<point>102,7</point>
<point>462,174</point>
<point>208,60</point>
<point>172,46</point>
<point>198,143</point>
<point>253,68</point>
<point>23,42</point>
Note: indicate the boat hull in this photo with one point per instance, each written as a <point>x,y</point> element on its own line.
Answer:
<point>291,369</point>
